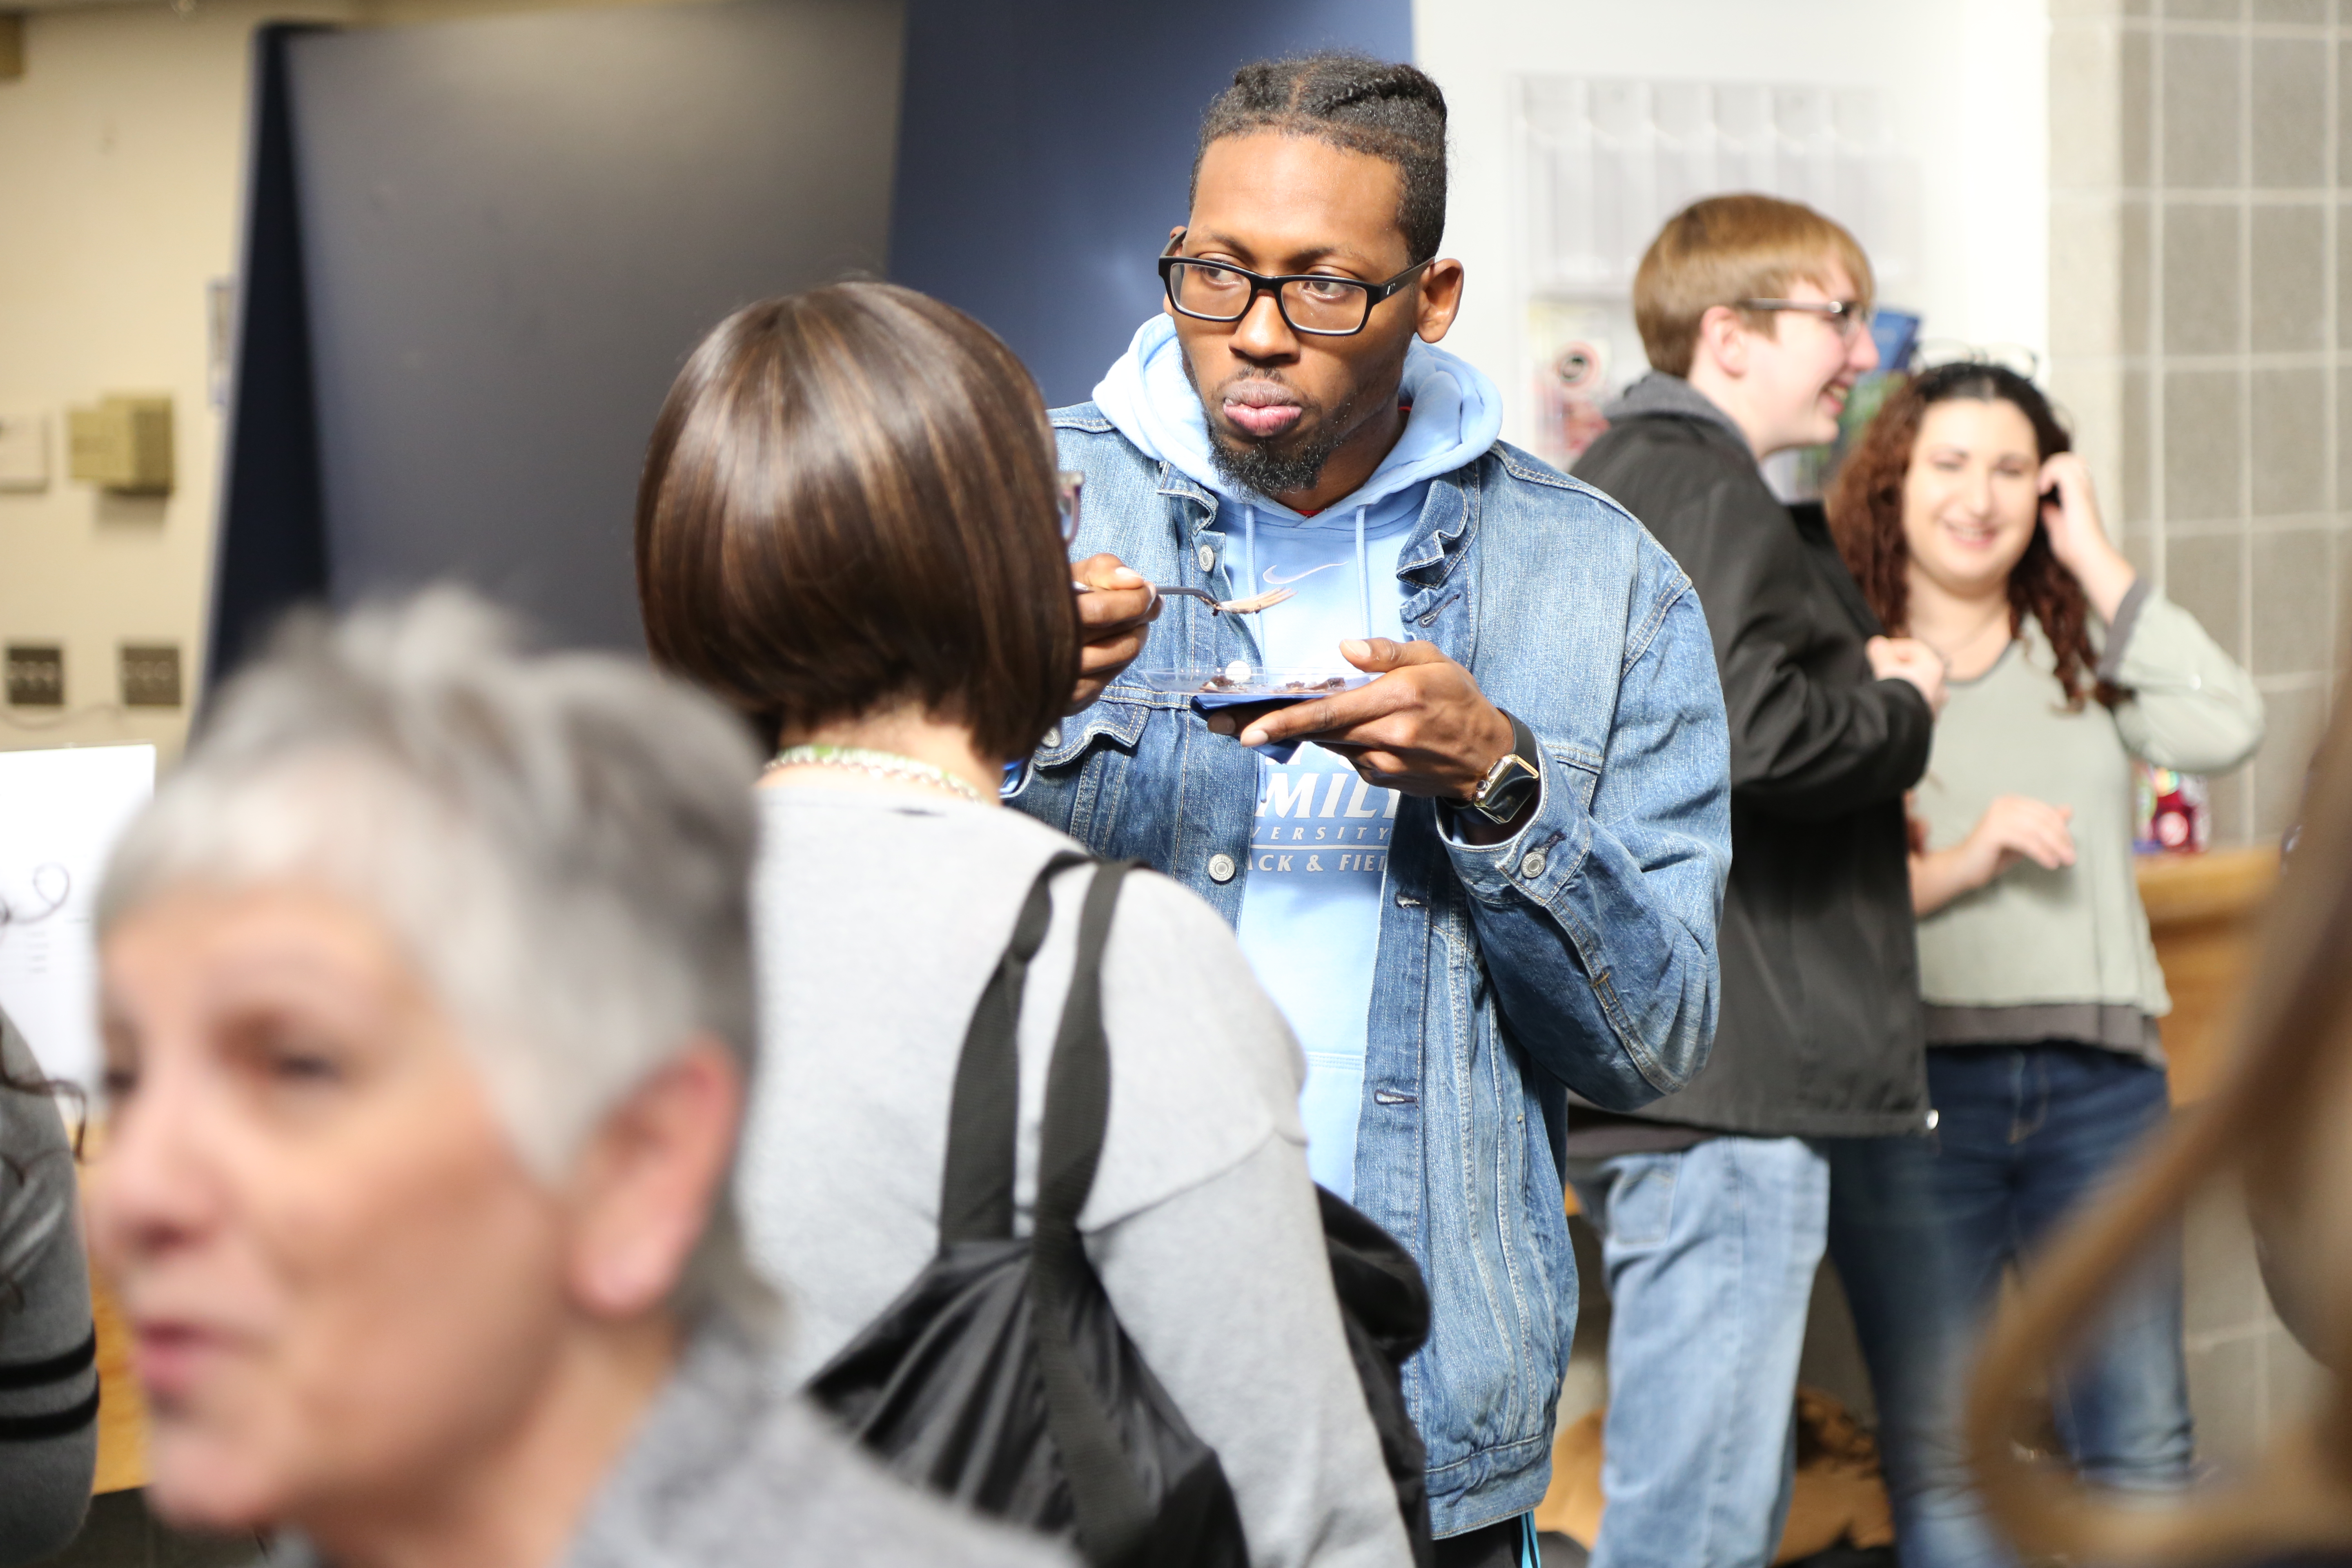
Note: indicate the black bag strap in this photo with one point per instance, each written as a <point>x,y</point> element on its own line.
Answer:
<point>1113,1514</point>
<point>983,1121</point>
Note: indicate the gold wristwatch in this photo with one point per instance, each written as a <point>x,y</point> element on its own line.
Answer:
<point>1516,776</point>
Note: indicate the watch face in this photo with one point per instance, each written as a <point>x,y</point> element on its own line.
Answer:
<point>1505,788</point>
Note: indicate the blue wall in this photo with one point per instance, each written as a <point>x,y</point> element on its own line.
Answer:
<point>1044,147</point>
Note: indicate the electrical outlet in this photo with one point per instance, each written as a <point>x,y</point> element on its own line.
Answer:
<point>151,675</point>
<point>36,675</point>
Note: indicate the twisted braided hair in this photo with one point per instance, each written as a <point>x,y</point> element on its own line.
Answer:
<point>1390,111</point>
<point>1866,513</point>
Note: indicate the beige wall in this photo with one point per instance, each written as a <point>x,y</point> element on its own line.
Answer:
<point>2198,159</point>
<point>121,154</point>
<point>121,179</point>
<point>2197,255</point>
<point>1962,80</point>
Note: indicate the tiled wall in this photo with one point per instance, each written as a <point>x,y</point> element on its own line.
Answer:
<point>2200,311</point>
<point>2200,314</point>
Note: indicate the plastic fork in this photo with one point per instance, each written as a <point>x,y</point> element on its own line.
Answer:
<point>1217,606</point>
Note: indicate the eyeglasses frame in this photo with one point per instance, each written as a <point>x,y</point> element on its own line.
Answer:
<point>1375,294</point>
<point>1847,315</point>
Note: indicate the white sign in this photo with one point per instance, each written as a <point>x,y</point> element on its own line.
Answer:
<point>60,813</point>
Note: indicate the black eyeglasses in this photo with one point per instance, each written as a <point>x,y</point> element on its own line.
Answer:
<point>1315,303</point>
<point>1847,315</point>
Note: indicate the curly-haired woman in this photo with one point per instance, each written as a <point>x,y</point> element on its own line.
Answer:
<point>1972,526</point>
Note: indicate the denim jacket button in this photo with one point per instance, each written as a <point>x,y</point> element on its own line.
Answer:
<point>1934,1117</point>
<point>1052,737</point>
<point>1222,867</point>
<point>1207,556</point>
<point>1531,864</point>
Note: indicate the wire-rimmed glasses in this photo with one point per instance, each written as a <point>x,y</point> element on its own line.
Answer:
<point>1317,304</point>
<point>1848,316</point>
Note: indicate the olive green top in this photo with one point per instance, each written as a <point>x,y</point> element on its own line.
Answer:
<point>2039,954</point>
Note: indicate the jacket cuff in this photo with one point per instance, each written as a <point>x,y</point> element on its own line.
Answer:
<point>2119,632</point>
<point>1537,861</point>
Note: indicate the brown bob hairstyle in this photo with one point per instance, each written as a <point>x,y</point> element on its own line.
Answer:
<point>849,505</point>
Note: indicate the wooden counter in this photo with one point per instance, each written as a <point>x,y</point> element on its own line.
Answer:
<point>121,1408</point>
<point>2204,910</point>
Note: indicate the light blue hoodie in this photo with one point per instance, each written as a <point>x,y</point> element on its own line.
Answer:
<point>1310,904</point>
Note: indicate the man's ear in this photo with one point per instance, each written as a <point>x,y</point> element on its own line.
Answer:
<point>647,1183</point>
<point>1175,233</point>
<point>1440,300</point>
<point>1723,340</point>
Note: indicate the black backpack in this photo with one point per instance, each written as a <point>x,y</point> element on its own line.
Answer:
<point>1001,1378</point>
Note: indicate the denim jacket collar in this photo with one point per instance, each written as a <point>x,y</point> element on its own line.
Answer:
<point>1443,537</point>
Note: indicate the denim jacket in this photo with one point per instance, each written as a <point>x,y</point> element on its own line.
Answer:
<point>1579,953</point>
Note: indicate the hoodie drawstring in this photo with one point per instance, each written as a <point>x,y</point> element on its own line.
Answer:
<point>1249,551</point>
<point>1363,576</point>
<point>1249,556</point>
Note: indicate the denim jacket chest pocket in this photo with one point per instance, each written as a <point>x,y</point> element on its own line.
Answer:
<point>1085,755</point>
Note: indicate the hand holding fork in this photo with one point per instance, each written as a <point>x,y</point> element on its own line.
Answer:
<point>1116,608</point>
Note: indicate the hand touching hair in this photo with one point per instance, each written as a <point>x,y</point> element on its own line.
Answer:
<point>1865,514</point>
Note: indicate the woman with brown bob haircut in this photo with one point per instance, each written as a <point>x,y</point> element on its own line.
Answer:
<point>848,506</point>
<point>847,530</point>
<point>1971,525</point>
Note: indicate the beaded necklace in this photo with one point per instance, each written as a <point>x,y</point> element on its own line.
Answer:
<point>880,764</point>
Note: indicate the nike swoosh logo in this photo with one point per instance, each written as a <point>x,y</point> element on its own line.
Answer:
<point>1273,573</point>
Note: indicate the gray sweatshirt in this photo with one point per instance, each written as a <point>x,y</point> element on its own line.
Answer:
<point>880,917</point>
<point>724,1474</point>
<point>44,1316</point>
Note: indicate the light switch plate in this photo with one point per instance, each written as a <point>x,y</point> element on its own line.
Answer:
<point>24,449</point>
<point>36,675</point>
<point>151,675</point>
<point>123,445</point>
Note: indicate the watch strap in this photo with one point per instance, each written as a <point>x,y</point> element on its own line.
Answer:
<point>1505,789</point>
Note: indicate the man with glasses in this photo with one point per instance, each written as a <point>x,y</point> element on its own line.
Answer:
<point>1714,1204</point>
<point>1491,871</point>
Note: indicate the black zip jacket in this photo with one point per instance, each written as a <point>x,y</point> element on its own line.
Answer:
<point>1820,1032</point>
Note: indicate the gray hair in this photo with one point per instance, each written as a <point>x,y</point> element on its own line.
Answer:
<point>562,843</point>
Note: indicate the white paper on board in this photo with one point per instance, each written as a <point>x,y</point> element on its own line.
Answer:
<point>60,813</point>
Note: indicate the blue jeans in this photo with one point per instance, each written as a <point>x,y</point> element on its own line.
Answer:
<point>2026,1134</point>
<point>1902,1285</point>
<point>1710,1254</point>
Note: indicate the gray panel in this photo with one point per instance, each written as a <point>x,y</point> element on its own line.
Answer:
<point>514,231</point>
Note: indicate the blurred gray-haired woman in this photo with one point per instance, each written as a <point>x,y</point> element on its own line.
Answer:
<point>426,997</point>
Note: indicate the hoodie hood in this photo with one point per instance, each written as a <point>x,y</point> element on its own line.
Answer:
<point>1658,393</point>
<point>1456,414</point>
